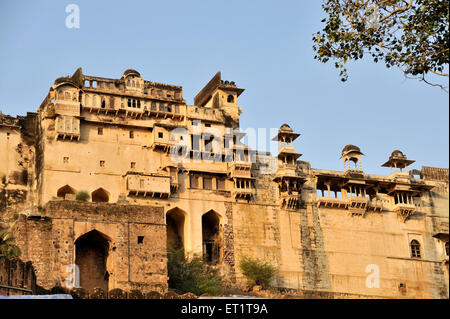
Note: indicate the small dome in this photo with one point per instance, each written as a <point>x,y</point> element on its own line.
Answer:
<point>397,153</point>
<point>131,71</point>
<point>285,127</point>
<point>350,148</point>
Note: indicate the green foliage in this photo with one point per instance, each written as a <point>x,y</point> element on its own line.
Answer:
<point>257,271</point>
<point>412,35</point>
<point>83,196</point>
<point>7,248</point>
<point>192,275</point>
<point>40,209</point>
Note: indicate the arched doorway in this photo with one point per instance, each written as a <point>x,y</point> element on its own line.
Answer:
<point>63,191</point>
<point>91,252</point>
<point>176,224</point>
<point>212,237</point>
<point>100,196</point>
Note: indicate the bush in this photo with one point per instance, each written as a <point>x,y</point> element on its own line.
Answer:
<point>192,275</point>
<point>7,247</point>
<point>83,196</point>
<point>257,271</point>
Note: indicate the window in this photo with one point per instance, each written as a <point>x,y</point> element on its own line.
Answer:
<point>220,183</point>
<point>129,102</point>
<point>415,249</point>
<point>133,165</point>
<point>207,125</point>
<point>131,134</point>
<point>160,135</point>
<point>230,99</point>
<point>140,240</point>
<point>193,180</point>
<point>207,183</point>
<point>102,163</point>
<point>65,160</point>
<point>446,249</point>
<point>100,131</point>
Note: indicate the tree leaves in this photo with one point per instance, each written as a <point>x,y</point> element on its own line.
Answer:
<point>413,36</point>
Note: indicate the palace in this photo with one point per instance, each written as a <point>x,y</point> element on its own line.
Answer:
<point>158,172</point>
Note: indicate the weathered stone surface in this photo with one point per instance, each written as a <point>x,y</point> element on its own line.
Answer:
<point>326,231</point>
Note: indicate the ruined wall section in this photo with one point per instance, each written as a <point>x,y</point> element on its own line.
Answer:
<point>17,149</point>
<point>137,257</point>
<point>16,277</point>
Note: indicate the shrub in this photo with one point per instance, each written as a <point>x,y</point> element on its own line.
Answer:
<point>7,248</point>
<point>83,196</point>
<point>257,271</point>
<point>192,275</point>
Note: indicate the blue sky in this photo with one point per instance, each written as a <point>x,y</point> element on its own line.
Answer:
<point>264,46</point>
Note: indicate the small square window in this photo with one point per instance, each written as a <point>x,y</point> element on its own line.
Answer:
<point>133,165</point>
<point>131,134</point>
<point>160,135</point>
<point>140,240</point>
<point>102,163</point>
<point>100,131</point>
<point>65,160</point>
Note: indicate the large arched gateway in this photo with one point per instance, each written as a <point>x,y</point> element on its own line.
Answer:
<point>91,254</point>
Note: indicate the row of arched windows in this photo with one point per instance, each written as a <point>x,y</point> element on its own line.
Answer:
<point>100,195</point>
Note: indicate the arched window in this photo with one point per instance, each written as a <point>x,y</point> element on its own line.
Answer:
<point>415,249</point>
<point>103,103</point>
<point>63,191</point>
<point>230,99</point>
<point>100,196</point>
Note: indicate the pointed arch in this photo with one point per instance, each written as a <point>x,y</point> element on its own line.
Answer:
<point>177,228</point>
<point>91,253</point>
<point>212,237</point>
<point>63,191</point>
<point>100,195</point>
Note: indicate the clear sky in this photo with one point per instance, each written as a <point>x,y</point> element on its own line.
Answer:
<point>264,46</point>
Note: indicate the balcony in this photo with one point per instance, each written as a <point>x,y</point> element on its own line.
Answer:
<point>158,186</point>
<point>290,200</point>
<point>67,127</point>
<point>375,205</point>
<point>244,193</point>
<point>240,169</point>
<point>328,202</point>
<point>404,210</point>
<point>165,111</point>
<point>357,206</point>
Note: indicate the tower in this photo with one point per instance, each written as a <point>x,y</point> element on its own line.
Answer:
<point>351,153</point>
<point>290,180</point>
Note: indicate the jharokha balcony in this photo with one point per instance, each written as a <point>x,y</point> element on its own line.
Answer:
<point>148,185</point>
<point>329,202</point>
<point>404,210</point>
<point>355,205</point>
